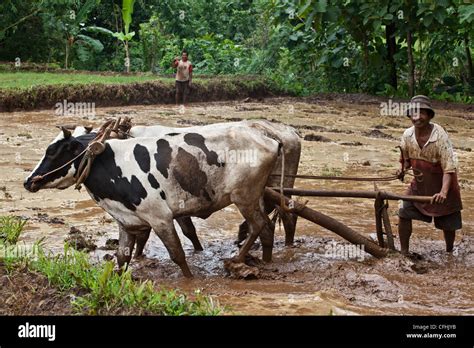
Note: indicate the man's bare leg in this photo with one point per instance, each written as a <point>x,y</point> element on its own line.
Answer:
<point>185,93</point>
<point>404,232</point>
<point>449,237</point>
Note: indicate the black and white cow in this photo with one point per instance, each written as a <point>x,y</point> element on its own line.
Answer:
<point>291,146</point>
<point>145,183</point>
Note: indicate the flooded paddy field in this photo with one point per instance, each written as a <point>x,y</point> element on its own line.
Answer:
<point>343,138</point>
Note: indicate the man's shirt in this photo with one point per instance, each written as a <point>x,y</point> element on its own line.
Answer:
<point>434,159</point>
<point>183,70</point>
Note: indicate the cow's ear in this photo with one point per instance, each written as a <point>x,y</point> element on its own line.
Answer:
<point>88,129</point>
<point>66,132</point>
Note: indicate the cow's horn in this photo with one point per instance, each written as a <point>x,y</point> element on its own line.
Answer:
<point>66,132</point>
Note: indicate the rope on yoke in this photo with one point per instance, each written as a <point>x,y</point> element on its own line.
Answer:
<point>41,177</point>
<point>417,174</point>
<point>95,147</point>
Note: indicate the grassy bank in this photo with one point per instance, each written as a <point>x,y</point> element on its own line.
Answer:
<point>91,288</point>
<point>35,90</point>
<point>26,80</point>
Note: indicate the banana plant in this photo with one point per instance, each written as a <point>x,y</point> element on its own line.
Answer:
<point>123,36</point>
<point>72,24</point>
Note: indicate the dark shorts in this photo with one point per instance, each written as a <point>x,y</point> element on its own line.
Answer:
<point>182,87</point>
<point>449,222</point>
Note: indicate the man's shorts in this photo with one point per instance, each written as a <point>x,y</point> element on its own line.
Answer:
<point>449,222</point>
<point>182,87</point>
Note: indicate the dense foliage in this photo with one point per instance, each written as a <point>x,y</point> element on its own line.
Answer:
<point>388,47</point>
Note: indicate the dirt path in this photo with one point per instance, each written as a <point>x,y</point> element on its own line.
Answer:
<point>353,139</point>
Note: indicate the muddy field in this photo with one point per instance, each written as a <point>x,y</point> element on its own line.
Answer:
<point>343,138</point>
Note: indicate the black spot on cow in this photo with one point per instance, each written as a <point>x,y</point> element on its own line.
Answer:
<point>105,181</point>
<point>189,176</point>
<point>197,140</point>
<point>163,157</point>
<point>173,134</point>
<point>142,156</point>
<point>163,195</point>
<point>152,180</point>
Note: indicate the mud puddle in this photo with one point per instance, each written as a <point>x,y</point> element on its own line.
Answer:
<point>303,279</point>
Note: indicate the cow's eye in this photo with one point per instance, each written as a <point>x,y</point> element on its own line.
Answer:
<point>50,152</point>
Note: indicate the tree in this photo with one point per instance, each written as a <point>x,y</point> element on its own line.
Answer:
<point>123,36</point>
<point>72,24</point>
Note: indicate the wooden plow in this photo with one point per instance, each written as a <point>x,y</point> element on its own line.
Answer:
<point>382,221</point>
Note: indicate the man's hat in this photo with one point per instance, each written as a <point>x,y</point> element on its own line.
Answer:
<point>419,102</point>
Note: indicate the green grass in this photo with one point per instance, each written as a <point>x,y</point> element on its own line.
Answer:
<point>109,291</point>
<point>24,80</point>
<point>10,229</point>
<point>331,171</point>
<point>106,291</point>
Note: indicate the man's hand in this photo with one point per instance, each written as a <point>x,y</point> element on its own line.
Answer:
<point>439,198</point>
<point>176,61</point>
<point>190,84</point>
<point>400,174</point>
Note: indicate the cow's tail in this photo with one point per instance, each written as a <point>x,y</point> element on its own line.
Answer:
<point>282,176</point>
<point>281,151</point>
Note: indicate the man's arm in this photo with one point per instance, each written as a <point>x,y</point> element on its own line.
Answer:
<point>190,74</point>
<point>448,164</point>
<point>175,62</point>
<point>441,196</point>
<point>404,159</point>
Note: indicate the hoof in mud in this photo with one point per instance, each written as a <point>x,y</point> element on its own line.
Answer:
<point>240,270</point>
<point>255,246</point>
<point>419,268</point>
<point>251,260</point>
<point>414,256</point>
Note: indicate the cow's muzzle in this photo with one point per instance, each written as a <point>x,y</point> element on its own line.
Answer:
<point>31,186</point>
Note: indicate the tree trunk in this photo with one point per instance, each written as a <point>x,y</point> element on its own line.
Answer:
<point>153,52</point>
<point>391,50</point>
<point>468,57</point>
<point>411,65</point>
<point>366,54</point>
<point>127,58</point>
<point>67,54</point>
